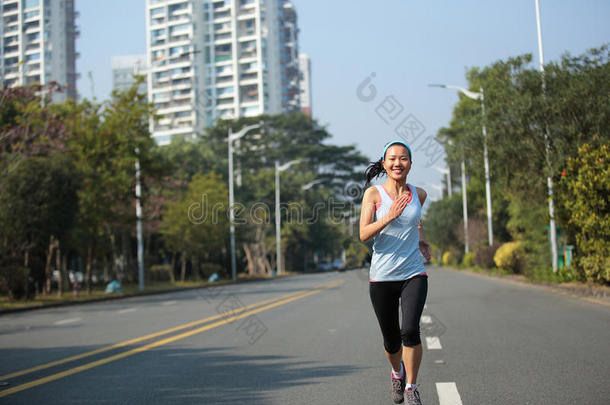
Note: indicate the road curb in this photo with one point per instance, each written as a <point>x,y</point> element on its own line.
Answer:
<point>131,295</point>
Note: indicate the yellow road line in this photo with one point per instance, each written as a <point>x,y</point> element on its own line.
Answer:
<point>162,342</point>
<point>146,337</point>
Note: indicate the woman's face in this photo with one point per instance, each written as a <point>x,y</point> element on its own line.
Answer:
<point>397,162</point>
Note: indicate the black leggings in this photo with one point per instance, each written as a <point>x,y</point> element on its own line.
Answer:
<point>385,295</point>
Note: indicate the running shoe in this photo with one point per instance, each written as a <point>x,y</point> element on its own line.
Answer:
<point>398,387</point>
<point>412,396</point>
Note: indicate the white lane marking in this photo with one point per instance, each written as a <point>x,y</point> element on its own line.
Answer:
<point>425,306</point>
<point>433,342</point>
<point>426,319</point>
<point>66,321</point>
<point>126,310</point>
<point>448,394</point>
<point>168,302</point>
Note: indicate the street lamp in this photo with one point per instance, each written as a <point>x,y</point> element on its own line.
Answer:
<point>230,138</point>
<point>464,206</point>
<point>437,188</point>
<point>479,96</point>
<point>278,238</point>
<point>446,172</point>
<point>549,180</point>
<point>311,184</point>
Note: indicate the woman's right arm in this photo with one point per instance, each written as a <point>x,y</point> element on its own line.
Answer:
<point>369,227</point>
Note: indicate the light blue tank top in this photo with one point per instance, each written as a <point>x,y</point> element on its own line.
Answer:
<point>396,254</point>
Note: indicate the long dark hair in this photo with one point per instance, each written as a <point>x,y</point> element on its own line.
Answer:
<point>374,170</point>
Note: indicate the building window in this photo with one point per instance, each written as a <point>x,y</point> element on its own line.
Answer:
<point>31,3</point>
<point>34,56</point>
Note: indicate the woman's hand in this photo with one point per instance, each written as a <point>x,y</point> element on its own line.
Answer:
<point>397,207</point>
<point>424,248</point>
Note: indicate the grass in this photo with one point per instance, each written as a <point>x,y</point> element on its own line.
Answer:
<point>128,289</point>
<point>97,292</point>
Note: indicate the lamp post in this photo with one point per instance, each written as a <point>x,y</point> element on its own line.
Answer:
<point>230,138</point>
<point>479,96</point>
<point>278,238</point>
<point>139,223</point>
<point>446,172</point>
<point>547,146</point>
<point>464,206</point>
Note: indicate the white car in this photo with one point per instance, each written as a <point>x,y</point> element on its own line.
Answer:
<point>325,266</point>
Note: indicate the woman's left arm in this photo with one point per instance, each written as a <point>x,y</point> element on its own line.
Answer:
<point>424,247</point>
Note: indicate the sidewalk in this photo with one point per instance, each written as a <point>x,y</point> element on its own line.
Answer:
<point>590,292</point>
<point>84,299</point>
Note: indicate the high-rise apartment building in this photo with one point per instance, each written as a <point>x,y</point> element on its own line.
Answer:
<point>305,82</point>
<point>219,59</point>
<point>38,44</point>
<point>123,70</point>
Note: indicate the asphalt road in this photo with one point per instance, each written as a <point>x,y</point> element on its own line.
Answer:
<point>310,339</point>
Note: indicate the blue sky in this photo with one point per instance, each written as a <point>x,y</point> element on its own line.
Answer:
<point>406,44</point>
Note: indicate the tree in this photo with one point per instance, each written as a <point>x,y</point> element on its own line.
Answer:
<point>195,222</point>
<point>572,110</point>
<point>284,138</point>
<point>38,206</point>
<point>105,142</point>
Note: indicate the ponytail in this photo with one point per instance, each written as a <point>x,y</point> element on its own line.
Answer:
<point>373,171</point>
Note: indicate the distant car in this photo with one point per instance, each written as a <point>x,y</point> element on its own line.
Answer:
<point>325,266</point>
<point>338,264</point>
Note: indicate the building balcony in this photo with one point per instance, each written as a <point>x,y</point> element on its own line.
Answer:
<point>224,79</point>
<point>222,58</point>
<point>225,98</point>
<point>247,59</point>
<point>179,59</point>
<point>13,52</point>
<point>12,43</point>
<point>245,12</point>
<point>11,12</point>
<point>252,102</point>
<point>247,35</point>
<point>179,39</point>
<point>11,73</point>
<point>221,16</point>
<point>31,29</point>
<point>225,102</point>
<point>225,38</point>
<point>250,80</point>
<point>10,29</point>
<point>176,108</point>
<point>184,75</point>
<point>157,21</point>
<point>219,7</point>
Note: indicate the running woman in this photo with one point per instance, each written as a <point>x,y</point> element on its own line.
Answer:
<point>392,214</point>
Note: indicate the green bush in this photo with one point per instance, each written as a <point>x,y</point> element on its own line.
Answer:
<point>355,254</point>
<point>207,269</point>
<point>13,280</point>
<point>468,260</point>
<point>510,256</point>
<point>159,272</point>
<point>547,275</point>
<point>587,185</point>
<point>484,256</point>
<point>449,258</point>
